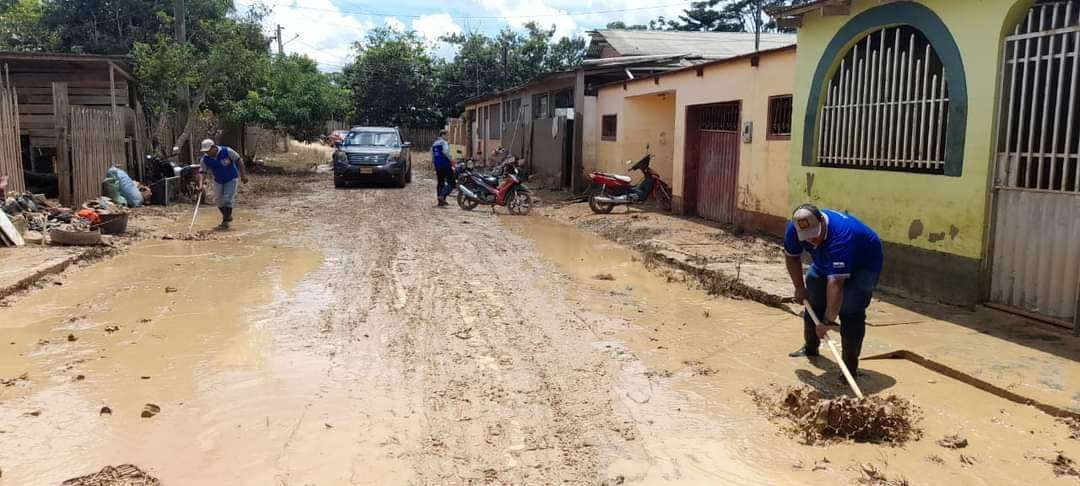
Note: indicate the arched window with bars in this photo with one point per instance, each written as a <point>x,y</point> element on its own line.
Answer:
<point>886,106</point>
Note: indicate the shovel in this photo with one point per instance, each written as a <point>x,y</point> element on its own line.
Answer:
<point>835,352</point>
<point>195,214</point>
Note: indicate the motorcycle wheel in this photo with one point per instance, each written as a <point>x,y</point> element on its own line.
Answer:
<point>664,198</point>
<point>519,203</point>
<point>599,207</point>
<point>466,203</point>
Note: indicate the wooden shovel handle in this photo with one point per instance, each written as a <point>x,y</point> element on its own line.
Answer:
<point>836,353</point>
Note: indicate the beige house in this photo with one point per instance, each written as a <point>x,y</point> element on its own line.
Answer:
<point>719,133</point>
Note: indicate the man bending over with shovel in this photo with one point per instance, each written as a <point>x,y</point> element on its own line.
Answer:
<point>847,258</point>
<point>228,170</point>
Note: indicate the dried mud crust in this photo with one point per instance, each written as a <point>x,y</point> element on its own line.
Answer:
<point>123,475</point>
<point>804,413</point>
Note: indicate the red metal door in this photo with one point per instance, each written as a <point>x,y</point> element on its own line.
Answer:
<point>718,161</point>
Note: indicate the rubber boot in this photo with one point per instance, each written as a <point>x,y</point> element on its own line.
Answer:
<point>224,219</point>
<point>228,215</point>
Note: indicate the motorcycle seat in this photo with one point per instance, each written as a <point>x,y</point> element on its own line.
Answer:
<point>620,177</point>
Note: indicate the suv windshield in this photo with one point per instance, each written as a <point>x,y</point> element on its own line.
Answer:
<point>372,139</point>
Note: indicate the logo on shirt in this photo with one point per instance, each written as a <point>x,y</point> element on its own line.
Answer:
<point>838,264</point>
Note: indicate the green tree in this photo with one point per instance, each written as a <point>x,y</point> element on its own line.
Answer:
<point>21,28</point>
<point>730,16</point>
<point>393,80</point>
<point>298,99</point>
<point>219,64</point>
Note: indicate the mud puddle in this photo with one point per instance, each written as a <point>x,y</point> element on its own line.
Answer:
<point>688,359</point>
<point>173,327</point>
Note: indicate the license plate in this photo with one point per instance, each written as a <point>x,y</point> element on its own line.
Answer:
<point>367,170</point>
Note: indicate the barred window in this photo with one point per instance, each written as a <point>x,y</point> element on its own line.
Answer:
<point>779,118</point>
<point>609,127</point>
<point>720,117</point>
<point>887,106</point>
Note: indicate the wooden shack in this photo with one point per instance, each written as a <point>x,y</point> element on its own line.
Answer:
<point>77,116</point>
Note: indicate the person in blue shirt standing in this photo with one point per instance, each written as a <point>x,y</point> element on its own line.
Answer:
<point>444,168</point>
<point>847,259</point>
<point>228,169</point>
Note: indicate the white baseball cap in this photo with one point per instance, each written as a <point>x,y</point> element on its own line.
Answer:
<point>807,220</point>
<point>207,145</point>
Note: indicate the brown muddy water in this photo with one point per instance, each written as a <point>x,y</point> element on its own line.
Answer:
<point>696,357</point>
<point>352,351</point>
<point>175,324</point>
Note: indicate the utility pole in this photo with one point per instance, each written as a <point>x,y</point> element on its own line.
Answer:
<point>280,46</point>
<point>180,31</point>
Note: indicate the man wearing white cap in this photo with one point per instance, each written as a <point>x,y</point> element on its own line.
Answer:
<point>227,168</point>
<point>847,259</point>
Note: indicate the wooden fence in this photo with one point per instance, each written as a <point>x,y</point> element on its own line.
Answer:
<point>10,149</point>
<point>97,143</point>
<point>421,138</point>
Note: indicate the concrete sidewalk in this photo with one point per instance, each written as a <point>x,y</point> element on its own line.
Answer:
<point>22,267</point>
<point>1009,356</point>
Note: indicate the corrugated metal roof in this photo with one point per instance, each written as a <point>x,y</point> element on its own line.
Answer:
<point>715,45</point>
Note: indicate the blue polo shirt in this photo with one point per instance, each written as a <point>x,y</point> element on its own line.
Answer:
<point>850,246</point>
<point>223,165</point>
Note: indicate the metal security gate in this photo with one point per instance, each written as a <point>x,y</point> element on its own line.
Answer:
<point>717,154</point>
<point>1036,245</point>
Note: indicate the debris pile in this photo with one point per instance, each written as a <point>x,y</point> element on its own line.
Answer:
<point>1064,466</point>
<point>40,220</point>
<point>812,418</point>
<point>123,475</point>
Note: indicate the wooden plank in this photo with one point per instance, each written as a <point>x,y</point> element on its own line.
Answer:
<point>25,109</point>
<point>19,78</point>
<point>10,145</point>
<point>60,132</point>
<point>103,100</point>
<point>77,83</point>
<point>9,230</point>
<point>44,90</point>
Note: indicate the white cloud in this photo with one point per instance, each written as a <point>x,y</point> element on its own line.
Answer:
<point>433,27</point>
<point>317,28</point>
<point>520,12</point>
<point>394,24</point>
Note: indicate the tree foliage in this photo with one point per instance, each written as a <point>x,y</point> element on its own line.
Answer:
<point>21,28</point>
<point>392,80</point>
<point>298,99</point>
<point>726,16</point>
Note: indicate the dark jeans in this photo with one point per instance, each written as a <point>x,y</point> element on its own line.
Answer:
<point>858,289</point>
<point>445,182</point>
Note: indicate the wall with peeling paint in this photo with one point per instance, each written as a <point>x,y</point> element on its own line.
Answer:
<point>929,212</point>
<point>763,164</point>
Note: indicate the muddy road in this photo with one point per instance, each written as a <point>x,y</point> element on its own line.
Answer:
<point>365,337</point>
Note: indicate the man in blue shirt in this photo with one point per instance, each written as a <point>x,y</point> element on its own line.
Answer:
<point>444,171</point>
<point>847,259</point>
<point>227,168</point>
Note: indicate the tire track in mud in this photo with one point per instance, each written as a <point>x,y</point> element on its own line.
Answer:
<point>439,309</point>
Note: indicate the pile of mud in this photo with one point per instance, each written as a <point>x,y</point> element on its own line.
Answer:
<point>124,475</point>
<point>196,236</point>
<point>813,419</point>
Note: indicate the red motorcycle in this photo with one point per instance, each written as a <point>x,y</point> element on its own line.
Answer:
<point>475,188</point>
<point>616,189</point>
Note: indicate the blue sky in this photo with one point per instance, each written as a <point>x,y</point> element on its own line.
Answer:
<point>326,29</point>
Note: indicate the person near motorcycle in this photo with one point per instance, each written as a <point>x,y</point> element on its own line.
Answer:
<point>228,169</point>
<point>444,168</point>
<point>847,259</point>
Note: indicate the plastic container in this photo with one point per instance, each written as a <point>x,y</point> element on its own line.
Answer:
<point>113,224</point>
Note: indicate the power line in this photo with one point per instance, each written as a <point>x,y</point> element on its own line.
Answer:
<point>579,13</point>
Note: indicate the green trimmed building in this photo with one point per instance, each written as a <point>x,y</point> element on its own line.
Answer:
<point>952,127</point>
